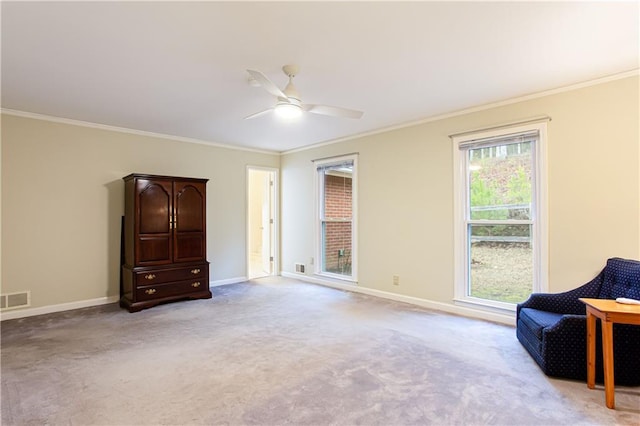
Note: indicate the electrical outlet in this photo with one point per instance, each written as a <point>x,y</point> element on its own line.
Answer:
<point>311,261</point>
<point>396,280</point>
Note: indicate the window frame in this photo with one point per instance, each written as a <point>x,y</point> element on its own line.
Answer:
<point>539,213</point>
<point>318,217</point>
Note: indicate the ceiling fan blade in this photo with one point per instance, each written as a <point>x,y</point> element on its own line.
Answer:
<point>267,84</point>
<point>333,111</point>
<point>257,114</point>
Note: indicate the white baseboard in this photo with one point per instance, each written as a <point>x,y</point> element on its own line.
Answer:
<point>227,281</point>
<point>429,304</point>
<point>30,312</point>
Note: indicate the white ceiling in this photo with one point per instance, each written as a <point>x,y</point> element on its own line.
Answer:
<point>179,68</point>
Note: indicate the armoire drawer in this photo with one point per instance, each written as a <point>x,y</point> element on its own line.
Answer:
<point>170,289</point>
<point>170,275</point>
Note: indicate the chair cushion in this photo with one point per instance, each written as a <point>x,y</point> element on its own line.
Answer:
<point>621,279</point>
<point>536,320</point>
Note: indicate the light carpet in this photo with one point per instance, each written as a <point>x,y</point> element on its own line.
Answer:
<point>278,351</point>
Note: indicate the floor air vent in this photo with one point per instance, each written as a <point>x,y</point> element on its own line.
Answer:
<point>300,268</point>
<point>15,300</point>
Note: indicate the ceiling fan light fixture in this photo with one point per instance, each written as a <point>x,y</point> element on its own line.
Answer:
<point>288,111</point>
<point>288,105</point>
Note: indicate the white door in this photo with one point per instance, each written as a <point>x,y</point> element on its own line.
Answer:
<point>267,219</point>
<point>261,222</point>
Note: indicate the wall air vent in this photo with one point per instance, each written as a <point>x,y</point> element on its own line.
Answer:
<point>15,300</point>
<point>300,268</point>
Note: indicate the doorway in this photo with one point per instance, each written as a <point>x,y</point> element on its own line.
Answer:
<point>261,221</point>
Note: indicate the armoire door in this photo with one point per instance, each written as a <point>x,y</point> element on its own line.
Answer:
<point>189,221</point>
<point>154,207</point>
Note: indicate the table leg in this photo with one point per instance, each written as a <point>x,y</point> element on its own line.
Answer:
<point>591,350</point>
<point>607,355</point>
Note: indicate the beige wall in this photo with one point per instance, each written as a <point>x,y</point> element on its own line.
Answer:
<point>406,192</point>
<point>62,198</point>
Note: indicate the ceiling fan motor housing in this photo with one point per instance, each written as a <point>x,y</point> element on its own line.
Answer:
<point>292,93</point>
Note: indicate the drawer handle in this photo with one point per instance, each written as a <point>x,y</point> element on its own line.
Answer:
<point>195,271</point>
<point>196,284</point>
<point>150,291</point>
<point>150,276</point>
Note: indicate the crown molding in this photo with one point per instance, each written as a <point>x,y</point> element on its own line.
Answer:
<point>91,125</point>
<point>483,107</point>
<point>576,86</point>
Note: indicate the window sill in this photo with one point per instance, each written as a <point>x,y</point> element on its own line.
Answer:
<point>486,305</point>
<point>338,279</point>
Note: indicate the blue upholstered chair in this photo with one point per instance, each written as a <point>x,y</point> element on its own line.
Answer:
<point>552,327</point>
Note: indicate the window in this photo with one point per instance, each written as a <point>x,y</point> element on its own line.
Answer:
<point>500,215</point>
<point>336,212</point>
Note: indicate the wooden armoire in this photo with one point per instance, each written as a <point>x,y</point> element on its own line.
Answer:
<point>165,250</point>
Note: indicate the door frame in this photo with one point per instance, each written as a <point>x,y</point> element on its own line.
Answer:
<point>275,195</point>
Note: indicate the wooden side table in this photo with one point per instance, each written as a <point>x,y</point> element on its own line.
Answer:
<point>609,312</point>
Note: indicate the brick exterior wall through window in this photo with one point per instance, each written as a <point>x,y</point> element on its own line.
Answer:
<point>337,234</point>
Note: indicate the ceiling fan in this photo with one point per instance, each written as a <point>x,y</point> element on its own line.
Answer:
<point>288,104</point>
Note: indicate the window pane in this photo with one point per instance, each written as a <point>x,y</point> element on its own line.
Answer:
<point>337,192</point>
<point>500,182</point>
<point>337,250</point>
<point>336,247</point>
<point>501,262</point>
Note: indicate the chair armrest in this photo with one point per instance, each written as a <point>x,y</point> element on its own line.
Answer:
<point>563,303</point>
<point>570,323</point>
<point>547,302</point>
